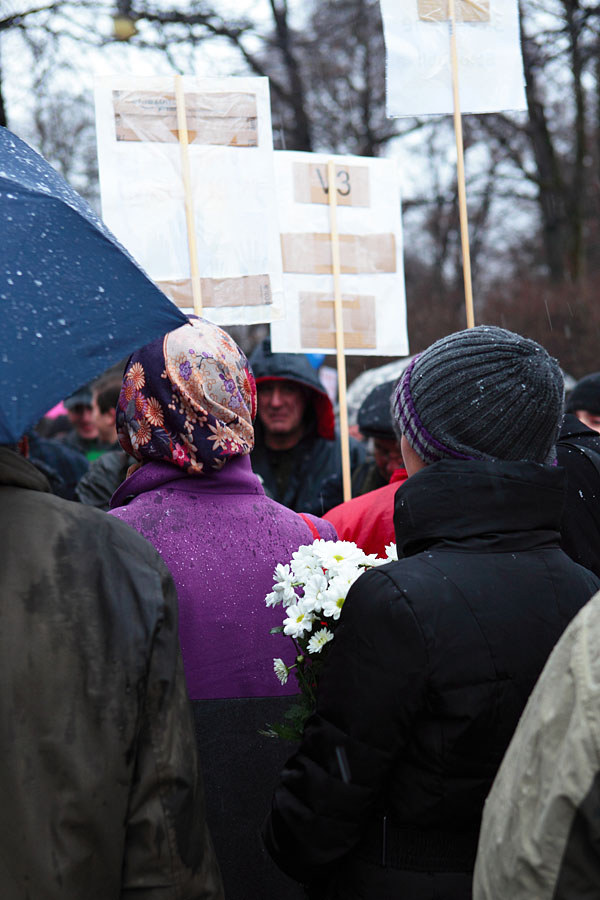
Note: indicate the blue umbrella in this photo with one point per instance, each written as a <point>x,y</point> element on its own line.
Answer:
<point>72,300</point>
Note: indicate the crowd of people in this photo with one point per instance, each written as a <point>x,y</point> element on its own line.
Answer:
<point>452,752</point>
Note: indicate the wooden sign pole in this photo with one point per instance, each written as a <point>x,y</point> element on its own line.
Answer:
<point>189,199</point>
<point>339,331</point>
<point>460,166</point>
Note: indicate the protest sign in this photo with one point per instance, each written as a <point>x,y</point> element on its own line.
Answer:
<point>370,255</point>
<point>490,67</point>
<point>203,148</point>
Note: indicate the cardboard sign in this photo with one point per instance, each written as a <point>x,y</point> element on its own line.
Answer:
<point>227,119</point>
<point>419,76</point>
<point>370,245</point>
<point>232,189</point>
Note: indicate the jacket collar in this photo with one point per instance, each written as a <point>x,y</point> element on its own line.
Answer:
<point>479,505</point>
<point>16,471</point>
<point>236,476</point>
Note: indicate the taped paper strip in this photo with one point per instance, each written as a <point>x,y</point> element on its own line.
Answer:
<point>248,290</point>
<point>311,184</point>
<point>317,321</point>
<point>359,253</point>
<point>464,10</point>
<point>222,119</point>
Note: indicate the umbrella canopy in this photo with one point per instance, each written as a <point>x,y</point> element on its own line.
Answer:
<point>72,300</point>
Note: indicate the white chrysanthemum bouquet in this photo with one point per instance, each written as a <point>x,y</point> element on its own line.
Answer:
<point>312,589</point>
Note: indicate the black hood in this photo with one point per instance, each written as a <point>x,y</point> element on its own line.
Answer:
<point>269,366</point>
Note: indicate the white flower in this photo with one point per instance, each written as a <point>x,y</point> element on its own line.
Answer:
<point>335,596</point>
<point>319,639</point>
<point>314,591</point>
<point>371,559</point>
<point>391,552</point>
<point>283,588</point>
<point>299,619</point>
<point>337,555</point>
<point>282,575</point>
<point>281,670</point>
<point>305,563</point>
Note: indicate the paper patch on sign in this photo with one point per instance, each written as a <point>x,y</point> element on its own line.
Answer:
<point>464,10</point>
<point>317,321</point>
<point>310,254</point>
<point>247,290</point>
<point>311,184</point>
<point>224,119</point>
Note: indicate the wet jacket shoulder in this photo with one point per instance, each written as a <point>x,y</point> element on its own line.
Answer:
<point>580,523</point>
<point>102,795</point>
<point>426,679</point>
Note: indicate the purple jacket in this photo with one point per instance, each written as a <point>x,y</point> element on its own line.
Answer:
<point>221,539</point>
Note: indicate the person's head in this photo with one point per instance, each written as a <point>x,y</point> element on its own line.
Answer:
<point>375,422</point>
<point>104,405</point>
<point>188,399</point>
<point>484,393</point>
<point>80,413</point>
<point>281,408</point>
<point>292,402</point>
<point>584,401</point>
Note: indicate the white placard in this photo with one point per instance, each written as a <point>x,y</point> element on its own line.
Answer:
<point>419,78</point>
<point>232,185</point>
<point>372,279</point>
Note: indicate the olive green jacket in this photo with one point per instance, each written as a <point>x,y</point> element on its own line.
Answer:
<point>102,796</point>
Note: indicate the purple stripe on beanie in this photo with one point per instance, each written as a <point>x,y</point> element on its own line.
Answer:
<point>412,426</point>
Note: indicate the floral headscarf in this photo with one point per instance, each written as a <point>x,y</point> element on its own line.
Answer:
<point>188,398</point>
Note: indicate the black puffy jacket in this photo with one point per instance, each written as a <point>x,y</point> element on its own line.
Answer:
<point>429,671</point>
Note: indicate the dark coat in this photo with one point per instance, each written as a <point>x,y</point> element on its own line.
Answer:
<point>62,465</point>
<point>580,524</point>
<point>102,796</point>
<point>105,475</point>
<point>316,459</point>
<point>427,676</point>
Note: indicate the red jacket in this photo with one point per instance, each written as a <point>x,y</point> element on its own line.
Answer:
<point>368,520</point>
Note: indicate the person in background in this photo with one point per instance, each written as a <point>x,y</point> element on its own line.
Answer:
<point>368,519</point>
<point>102,794</point>
<point>296,448</point>
<point>84,436</point>
<point>105,396</point>
<point>110,470</point>
<point>539,835</point>
<point>578,452</point>
<point>186,414</point>
<point>63,466</point>
<point>584,401</point>
<point>376,425</point>
<point>435,654</point>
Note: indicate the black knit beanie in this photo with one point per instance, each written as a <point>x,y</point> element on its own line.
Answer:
<point>375,415</point>
<point>585,395</point>
<point>483,393</point>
